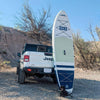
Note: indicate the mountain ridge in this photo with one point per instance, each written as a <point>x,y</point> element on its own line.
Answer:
<point>12,41</point>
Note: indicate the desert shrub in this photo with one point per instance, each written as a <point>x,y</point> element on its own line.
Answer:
<point>4,64</point>
<point>37,27</point>
<point>0,28</point>
<point>85,57</point>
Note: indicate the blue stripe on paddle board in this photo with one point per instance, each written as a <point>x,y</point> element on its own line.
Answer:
<point>64,66</point>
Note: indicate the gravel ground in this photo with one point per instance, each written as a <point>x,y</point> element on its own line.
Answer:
<point>86,87</point>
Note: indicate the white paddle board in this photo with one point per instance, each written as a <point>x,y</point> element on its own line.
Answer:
<point>63,52</point>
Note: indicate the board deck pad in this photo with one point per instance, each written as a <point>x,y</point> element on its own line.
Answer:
<point>63,52</point>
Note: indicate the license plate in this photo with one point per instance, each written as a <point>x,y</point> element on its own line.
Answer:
<point>47,70</point>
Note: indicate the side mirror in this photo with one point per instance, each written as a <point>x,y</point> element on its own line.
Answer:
<point>19,54</point>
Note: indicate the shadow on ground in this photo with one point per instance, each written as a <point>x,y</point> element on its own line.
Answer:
<point>86,89</point>
<point>45,89</point>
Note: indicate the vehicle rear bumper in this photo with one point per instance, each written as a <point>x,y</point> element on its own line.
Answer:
<point>32,70</point>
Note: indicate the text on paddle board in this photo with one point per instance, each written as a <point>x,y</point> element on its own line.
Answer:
<point>62,28</point>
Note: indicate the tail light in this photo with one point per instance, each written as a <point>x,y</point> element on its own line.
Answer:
<point>29,70</point>
<point>26,58</point>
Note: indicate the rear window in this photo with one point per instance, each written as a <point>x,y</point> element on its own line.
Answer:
<point>49,49</point>
<point>41,49</point>
<point>37,48</point>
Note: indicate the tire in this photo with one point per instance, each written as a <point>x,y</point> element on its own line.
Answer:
<point>18,69</point>
<point>21,77</point>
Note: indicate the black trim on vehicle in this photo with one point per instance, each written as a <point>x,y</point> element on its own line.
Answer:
<point>37,70</point>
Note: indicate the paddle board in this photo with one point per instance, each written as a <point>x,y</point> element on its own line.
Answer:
<point>63,52</point>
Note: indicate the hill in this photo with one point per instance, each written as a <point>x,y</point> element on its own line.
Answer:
<point>12,41</point>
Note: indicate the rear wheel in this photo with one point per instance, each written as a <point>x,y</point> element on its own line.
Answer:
<point>21,77</point>
<point>18,69</point>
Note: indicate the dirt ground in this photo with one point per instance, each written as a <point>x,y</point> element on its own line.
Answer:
<point>86,87</point>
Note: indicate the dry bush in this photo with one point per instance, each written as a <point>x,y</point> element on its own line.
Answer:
<point>36,27</point>
<point>4,64</point>
<point>87,54</point>
<point>84,56</point>
<point>98,32</point>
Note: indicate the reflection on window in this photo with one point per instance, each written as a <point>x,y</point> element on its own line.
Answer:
<point>41,49</point>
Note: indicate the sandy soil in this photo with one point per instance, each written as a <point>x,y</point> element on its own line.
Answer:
<point>86,87</point>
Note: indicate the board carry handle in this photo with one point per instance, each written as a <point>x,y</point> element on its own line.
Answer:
<point>64,52</point>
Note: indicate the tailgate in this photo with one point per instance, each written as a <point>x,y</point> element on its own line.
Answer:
<point>41,60</point>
